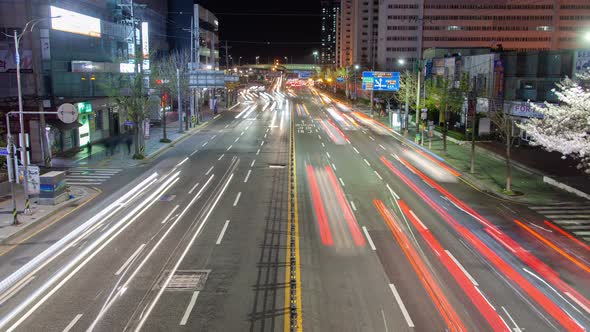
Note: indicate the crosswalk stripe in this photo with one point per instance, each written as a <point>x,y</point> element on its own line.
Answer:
<point>570,210</point>
<point>87,177</point>
<point>96,169</point>
<point>86,180</point>
<point>84,184</point>
<point>571,216</point>
<point>93,172</point>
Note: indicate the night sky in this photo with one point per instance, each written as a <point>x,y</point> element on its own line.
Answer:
<point>292,27</point>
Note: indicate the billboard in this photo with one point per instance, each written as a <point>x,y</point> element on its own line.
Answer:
<point>69,21</point>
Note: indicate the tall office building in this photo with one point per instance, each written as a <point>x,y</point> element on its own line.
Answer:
<point>359,26</point>
<point>330,31</point>
<point>410,26</point>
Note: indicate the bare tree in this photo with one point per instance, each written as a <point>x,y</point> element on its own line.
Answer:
<point>503,121</point>
<point>446,98</point>
<point>165,70</point>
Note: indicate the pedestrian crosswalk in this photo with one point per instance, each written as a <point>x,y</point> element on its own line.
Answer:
<point>82,176</point>
<point>573,217</point>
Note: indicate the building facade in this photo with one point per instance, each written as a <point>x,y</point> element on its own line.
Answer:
<point>82,53</point>
<point>347,28</point>
<point>330,31</point>
<point>410,26</point>
<point>181,14</point>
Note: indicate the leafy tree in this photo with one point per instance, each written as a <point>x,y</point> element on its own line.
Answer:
<point>443,96</point>
<point>407,92</point>
<point>135,104</point>
<point>565,127</point>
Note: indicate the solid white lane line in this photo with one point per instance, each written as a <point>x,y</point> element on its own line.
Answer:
<point>229,148</point>
<point>182,256</point>
<point>73,322</point>
<point>130,259</point>
<point>516,327</point>
<point>392,192</point>
<point>353,206</point>
<point>369,238</point>
<point>171,212</point>
<point>13,291</point>
<point>218,242</point>
<point>247,176</point>
<point>341,182</point>
<point>401,305</point>
<point>237,198</point>
<point>189,308</point>
<point>252,164</point>
<point>366,162</point>
<point>328,154</point>
<point>485,298</point>
<point>462,268</point>
<point>382,147</point>
<point>334,166</point>
<point>209,171</point>
<point>379,176</point>
<point>204,144</point>
<point>197,150</point>
<point>355,150</point>
<point>221,157</point>
<point>182,162</point>
<point>418,220</point>
<point>258,152</point>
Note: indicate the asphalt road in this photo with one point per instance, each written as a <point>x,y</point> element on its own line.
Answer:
<point>389,239</point>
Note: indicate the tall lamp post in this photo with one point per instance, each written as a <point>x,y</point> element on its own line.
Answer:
<point>29,26</point>
<point>315,57</point>
<point>356,68</point>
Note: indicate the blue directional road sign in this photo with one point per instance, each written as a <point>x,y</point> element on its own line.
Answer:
<point>381,81</point>
<point>340,79</point>
<point>3,152</point>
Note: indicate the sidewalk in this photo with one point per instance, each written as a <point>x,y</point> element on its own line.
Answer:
<point>40,212</point>
<point>82,194</point>
<point>528,168</point>
<point>121,158</point>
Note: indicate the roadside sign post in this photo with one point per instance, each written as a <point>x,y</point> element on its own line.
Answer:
<point>67,113</point>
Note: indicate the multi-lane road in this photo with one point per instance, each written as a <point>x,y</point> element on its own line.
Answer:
<point>388,238</point>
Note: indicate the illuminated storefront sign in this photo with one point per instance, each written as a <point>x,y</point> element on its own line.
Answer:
<point>84,129</point>
<point>69,21</point>
<point>126,67</point>
<point>84,108</point>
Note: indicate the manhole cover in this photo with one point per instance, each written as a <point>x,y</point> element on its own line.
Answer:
<point>193,280</point>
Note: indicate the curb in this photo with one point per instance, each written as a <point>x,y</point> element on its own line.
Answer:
<point>30,225</point>
<point>184,136</point>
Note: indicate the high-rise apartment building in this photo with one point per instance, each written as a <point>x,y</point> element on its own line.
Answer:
<point>359,26</point>
<point>345,47</point>
<point>407,27</point>
<point>330,31</point>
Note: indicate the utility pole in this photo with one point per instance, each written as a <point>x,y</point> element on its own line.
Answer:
<point>179,102</point>
<point>23,142</point>
<point>472,107</point>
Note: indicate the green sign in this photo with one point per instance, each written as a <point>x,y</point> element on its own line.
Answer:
<point>84,108</point>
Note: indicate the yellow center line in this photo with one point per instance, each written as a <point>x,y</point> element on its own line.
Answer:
<point>295,220</point>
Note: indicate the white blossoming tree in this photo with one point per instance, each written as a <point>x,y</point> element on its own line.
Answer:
<point>565,127</point>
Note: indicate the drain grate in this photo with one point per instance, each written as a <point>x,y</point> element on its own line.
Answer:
<point>193,280</point>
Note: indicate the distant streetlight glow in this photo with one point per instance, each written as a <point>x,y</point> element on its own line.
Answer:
<point>357,67</point>
<point>401,61</point>
<point>587,36</point>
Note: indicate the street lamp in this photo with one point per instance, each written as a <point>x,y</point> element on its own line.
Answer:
<point>29,26</point>
<point>315,57</point>
<point>356,68</point>
<point>587,36</point>
<point>286,60</point>
<point>401,62</point>
<point>257,59</point>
